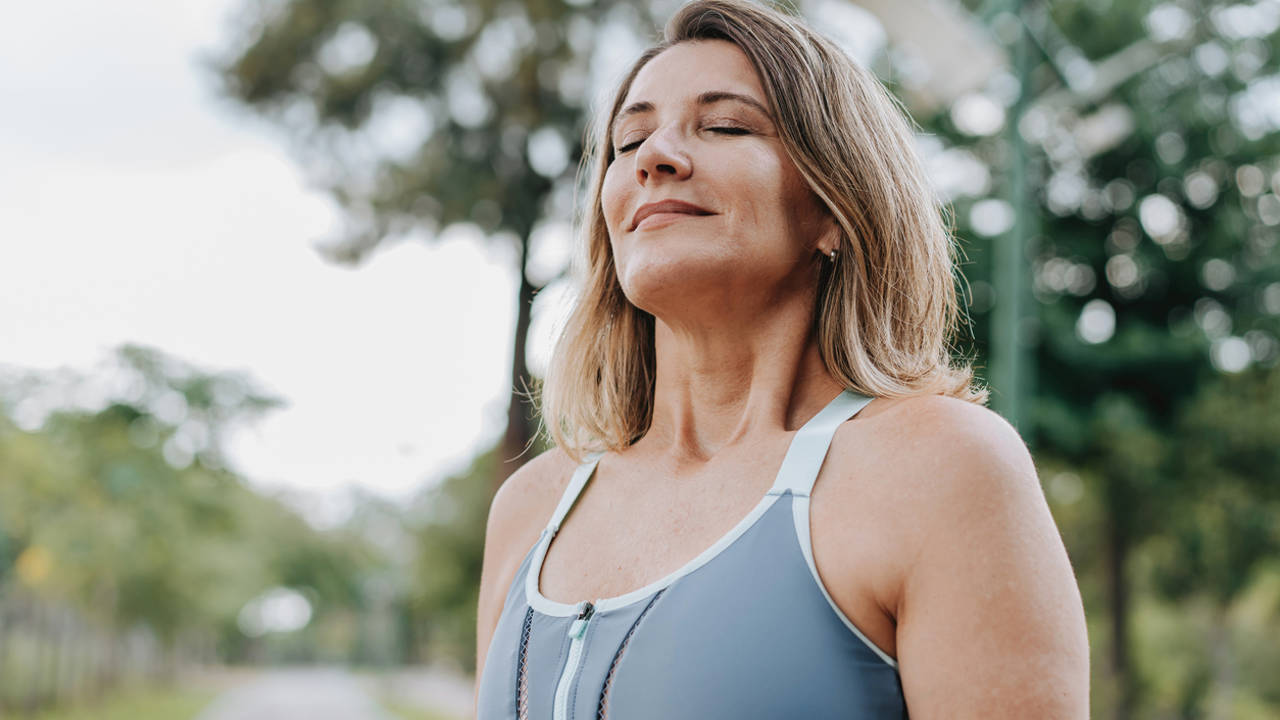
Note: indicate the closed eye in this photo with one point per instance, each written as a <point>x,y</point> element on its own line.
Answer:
<point>723,130</point>
<point>628,147</point>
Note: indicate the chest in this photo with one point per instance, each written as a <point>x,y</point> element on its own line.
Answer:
<point>747,636</point>
<point>625,533</point>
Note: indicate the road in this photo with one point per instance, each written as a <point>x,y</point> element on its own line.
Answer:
<point>333,693</point>
<point>301,693</point>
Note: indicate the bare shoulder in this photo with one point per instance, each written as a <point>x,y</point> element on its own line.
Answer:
<point>989,617</point>
<point>900,467</point>
<point>937,425</point>
<point>524,503</point>
<point>919,450</point>
<point>923,450</point>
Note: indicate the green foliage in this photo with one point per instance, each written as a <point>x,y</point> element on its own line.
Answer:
<point>1225,523</point>
<point>138,704</point>
<point>488,76</point>
<point>98,510</point>
<point>450,551</point>
<point>448,525</point>
<point>1176,449</point>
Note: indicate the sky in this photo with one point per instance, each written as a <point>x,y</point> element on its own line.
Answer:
<point>138,206</point>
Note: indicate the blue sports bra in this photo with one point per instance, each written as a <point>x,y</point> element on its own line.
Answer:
<point>744,630</point>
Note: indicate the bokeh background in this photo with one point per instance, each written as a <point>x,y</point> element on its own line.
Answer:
<point>277,276</point>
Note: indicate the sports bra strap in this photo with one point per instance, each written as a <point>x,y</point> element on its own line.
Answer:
<point>809,446</point>
<point>576,483</point>
<point>799,468</point>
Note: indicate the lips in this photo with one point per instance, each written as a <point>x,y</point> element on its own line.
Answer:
<point>667,206</point>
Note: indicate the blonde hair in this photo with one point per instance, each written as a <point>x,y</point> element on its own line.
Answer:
<point>886,308</point>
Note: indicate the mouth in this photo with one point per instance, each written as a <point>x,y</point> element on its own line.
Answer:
<point>669,210</point>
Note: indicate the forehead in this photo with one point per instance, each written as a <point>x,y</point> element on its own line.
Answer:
<point>683,71</point>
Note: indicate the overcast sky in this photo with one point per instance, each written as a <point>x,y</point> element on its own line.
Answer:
<point>135,206</point>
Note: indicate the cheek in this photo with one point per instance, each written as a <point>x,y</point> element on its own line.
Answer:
<point>770,194</point>
<point>799,206</point>
<point>614,195</point>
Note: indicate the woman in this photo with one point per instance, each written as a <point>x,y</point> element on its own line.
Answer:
<point>797,507</point>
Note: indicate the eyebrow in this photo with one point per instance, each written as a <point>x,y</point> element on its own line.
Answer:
<point>706,98</point>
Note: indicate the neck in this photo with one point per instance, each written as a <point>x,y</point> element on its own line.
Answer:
<point>734,385</point>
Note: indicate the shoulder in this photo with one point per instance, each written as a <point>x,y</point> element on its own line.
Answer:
<point>958,468</point>
<point>524,503</point>
<point>939,444</point>
<point>922,462</point>
<point>940,419</point>
<point>942,469</point>
<point>989,617</point>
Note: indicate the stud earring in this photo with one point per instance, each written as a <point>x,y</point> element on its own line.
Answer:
<point>833,256</point>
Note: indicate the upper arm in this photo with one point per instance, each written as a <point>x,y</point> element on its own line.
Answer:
<point>519,510</point>
<point>991,623</point>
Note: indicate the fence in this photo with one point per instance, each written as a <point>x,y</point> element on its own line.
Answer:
<point>52,655</point>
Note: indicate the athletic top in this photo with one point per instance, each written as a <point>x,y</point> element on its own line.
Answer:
<point>744,630</point>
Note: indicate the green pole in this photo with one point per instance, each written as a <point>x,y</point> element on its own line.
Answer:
<point>1013,318</point>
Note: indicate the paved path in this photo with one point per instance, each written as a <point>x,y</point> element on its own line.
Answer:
<point>296,694</point>
<point>439,689</point>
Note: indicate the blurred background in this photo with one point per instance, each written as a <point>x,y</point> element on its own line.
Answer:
<point>277,275</point>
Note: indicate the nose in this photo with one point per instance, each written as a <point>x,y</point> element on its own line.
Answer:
<point>660,156</point>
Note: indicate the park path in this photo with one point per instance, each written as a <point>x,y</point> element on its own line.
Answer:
<point>440,689</point>
<point>296,693</point>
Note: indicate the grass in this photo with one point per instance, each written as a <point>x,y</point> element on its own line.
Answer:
<point>405,712</point>
<point>175,703</point>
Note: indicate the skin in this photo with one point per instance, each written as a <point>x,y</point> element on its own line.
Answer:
<point>929,527</point>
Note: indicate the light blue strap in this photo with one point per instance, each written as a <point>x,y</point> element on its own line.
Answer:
<point>809,446</point>
<point>799,468</point>
<point>570,496</point>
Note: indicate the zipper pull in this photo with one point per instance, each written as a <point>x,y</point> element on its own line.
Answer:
<point>579,626</point>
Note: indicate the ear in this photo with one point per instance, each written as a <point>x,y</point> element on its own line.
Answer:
<point>828,235</point>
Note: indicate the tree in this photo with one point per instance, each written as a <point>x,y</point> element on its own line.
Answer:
<point>1153,171</point>
<point>127,514</point>
<point>496,91</point>
<point>1223,527</point>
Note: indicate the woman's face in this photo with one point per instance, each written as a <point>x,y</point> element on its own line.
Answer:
<point>724,215</point>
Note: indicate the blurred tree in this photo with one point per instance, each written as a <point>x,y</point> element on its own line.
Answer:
<point>449,522</point>
<point>1153,165</point>
<point>487,101</point>
<point>129,514</point>
<point>1226,503</point>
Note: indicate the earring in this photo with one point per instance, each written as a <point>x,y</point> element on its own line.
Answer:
<point>833,256</point>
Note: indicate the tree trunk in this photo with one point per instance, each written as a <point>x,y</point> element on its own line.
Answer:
<point>1224,670</point>
<point>1118,588</point>
<point>511,454</point>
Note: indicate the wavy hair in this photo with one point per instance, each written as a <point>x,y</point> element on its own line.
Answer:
<point>887,308</point>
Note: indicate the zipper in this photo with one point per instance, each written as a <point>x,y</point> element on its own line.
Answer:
<point>577,630</point>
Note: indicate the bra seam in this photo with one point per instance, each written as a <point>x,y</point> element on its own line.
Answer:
<point>522,665</point>
<point>602,701</point>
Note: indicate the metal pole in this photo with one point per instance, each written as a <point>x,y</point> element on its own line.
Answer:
<point>1012,322</point>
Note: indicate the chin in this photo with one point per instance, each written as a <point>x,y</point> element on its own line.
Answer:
<point>669,281</point>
